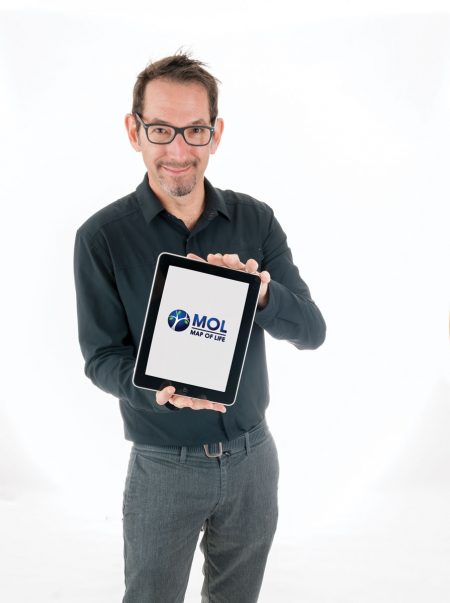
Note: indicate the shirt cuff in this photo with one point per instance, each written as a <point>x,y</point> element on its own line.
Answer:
<point>264,316</point>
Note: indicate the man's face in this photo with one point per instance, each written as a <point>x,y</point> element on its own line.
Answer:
<point>177,168</point>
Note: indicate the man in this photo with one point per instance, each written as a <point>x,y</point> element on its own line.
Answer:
<point>175,485</point>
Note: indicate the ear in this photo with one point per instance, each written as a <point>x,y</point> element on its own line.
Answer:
<point>133,136</point>
<point>218,131</point>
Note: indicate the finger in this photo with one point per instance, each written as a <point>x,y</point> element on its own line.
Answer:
<point>207,405</point>
<point>265,277</point>
<point>251,266</point>
<point>232,261</point>
<point>182,401</point>
<point>164,395</point>
<point>196,404</point>
<point>192,256</point>
<point>215,258</point>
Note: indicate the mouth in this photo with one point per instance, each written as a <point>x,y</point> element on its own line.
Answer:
<point>176,170</point>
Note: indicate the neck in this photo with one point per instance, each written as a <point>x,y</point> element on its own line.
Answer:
<point>187,208</point>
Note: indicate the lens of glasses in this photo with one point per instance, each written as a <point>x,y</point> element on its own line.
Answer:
<point>197,135</point>
<point>193,135</point>
<point>160,134</point>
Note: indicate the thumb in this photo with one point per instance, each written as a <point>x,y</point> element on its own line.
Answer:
<point>164,395</point>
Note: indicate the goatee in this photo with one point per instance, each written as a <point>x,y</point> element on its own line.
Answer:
<point>178,186</point>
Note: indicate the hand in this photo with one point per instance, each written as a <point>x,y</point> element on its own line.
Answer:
<point>231,260</point>
<point>168,395</point>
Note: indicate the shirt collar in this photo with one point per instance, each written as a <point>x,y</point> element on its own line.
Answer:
<point>151,206</point>
<point>149,202</point>
<point>215,202</point>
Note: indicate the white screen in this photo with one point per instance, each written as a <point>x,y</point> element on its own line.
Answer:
<point>202,353</point>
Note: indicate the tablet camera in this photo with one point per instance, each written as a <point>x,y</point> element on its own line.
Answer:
<point>179,320</point>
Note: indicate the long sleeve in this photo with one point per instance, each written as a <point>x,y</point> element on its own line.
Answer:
<point>290,313</point>
<point>116,250</point>
<point>103,329</point>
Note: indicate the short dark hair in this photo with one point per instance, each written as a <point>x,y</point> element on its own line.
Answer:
<point>177,68</point>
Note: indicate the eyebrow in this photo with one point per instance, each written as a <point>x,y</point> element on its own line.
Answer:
<point>197,122</point>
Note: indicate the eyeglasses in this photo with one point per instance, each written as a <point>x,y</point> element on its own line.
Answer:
<point>196,136</point>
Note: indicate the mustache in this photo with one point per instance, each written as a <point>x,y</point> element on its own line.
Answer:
<point>176,165</point>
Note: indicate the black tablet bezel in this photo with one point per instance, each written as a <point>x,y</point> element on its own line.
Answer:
<point>155,382</point>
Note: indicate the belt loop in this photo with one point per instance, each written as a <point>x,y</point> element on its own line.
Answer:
<point>212,455</point>
<point>183,454</point>
<point>247,443</point>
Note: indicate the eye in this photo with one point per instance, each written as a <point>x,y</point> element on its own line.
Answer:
<point>159,130</point>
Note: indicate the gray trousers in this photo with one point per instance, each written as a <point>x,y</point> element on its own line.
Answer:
<point>172,493</point>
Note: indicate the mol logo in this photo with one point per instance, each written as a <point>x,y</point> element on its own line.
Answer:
<point>202,326</point>
<point>209,327</point>
<point>179,320</point>
<point>209,324</point>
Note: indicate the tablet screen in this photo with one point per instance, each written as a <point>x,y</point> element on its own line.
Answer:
<point>196,328</point>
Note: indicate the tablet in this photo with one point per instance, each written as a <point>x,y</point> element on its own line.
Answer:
<point>196,329</point>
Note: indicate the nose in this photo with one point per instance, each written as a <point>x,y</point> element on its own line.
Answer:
<point>178,147</point>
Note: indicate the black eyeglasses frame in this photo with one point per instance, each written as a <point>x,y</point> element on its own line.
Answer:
<point>177,130</point>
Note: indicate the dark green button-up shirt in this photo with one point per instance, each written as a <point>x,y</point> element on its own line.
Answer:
<point>115,257</point>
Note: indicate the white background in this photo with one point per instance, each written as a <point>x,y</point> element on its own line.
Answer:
<point>337,115</point>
